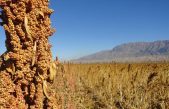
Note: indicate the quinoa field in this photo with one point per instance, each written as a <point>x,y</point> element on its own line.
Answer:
<point>113,86</point>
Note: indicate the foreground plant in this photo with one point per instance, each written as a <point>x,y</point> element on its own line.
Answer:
<point>25,74</point>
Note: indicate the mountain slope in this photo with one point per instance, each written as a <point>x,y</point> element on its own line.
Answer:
<point>138,51</point>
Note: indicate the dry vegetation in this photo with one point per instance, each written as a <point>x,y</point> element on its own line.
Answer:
<point>114,86</point>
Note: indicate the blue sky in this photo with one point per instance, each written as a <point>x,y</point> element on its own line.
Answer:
<point>87,26</point>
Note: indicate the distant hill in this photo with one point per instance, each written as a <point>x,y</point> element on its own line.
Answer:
<point>131,52</point>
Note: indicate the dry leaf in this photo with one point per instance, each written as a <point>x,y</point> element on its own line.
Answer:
<point>33,60</point>
<point>27,28</point>
<point>35,46</point>
<point>41,14</point>
<point>52,71</point>
<point>34,53</point>
<point>44,86</point>
<point>45,89</point>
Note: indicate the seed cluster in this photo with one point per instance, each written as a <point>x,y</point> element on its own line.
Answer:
<point>25,66</point>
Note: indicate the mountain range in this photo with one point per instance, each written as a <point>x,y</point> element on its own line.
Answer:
<point>131,52</point>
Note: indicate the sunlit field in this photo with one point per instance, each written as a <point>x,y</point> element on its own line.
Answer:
<point>113,86</point>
